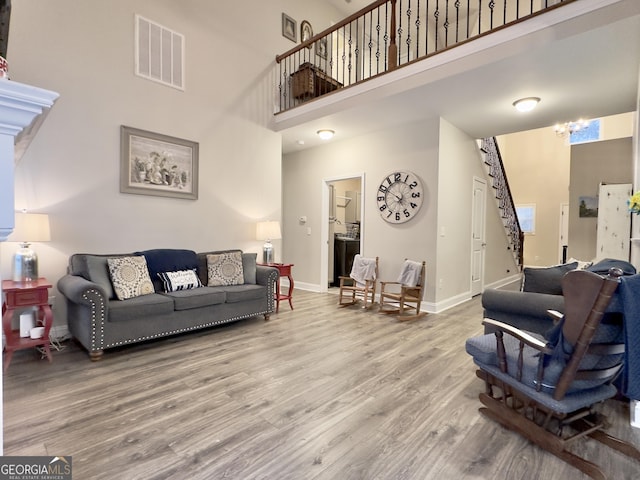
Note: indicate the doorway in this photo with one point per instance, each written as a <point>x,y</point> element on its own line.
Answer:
<point>343,229</point>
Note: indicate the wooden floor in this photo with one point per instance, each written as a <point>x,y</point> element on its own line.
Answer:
<point>315,393</point>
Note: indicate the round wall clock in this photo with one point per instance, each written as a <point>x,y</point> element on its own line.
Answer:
<point>399,197</point>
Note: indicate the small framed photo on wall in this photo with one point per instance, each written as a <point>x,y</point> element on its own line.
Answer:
<point>289,27</point>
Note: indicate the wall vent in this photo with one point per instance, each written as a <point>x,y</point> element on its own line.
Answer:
<point>159,53</point>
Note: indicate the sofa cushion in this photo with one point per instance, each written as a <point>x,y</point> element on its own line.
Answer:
<point>197,297</point>
<point>546,279</point>
<point>168,260</point>
<point>180,280</point>
<point>130,277</point>
<point>144,307</point>
<point>243,293</point>
<point>249,267</point>
<point>225,269</point>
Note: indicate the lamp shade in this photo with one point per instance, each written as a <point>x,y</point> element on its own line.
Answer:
<point>31,227</point>
<point>268,230</point>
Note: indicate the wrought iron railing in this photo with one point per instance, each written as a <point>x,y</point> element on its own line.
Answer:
<point>507,207</point>
<point>388,34</point>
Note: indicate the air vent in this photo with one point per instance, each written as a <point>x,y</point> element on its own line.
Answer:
<point>159,53</point>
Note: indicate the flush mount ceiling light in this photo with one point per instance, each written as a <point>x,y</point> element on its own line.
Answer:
<point>326,134</point>
<point>526,104</point>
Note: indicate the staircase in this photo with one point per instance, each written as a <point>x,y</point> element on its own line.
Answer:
<point>495,170</point>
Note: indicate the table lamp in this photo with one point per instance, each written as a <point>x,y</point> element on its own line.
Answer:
<point>268,231</point>
<point>30,227</point>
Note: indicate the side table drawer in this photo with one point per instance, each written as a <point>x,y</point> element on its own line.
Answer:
<point>27,298</point>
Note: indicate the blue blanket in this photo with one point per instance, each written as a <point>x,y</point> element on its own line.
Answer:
<point>629,296</point>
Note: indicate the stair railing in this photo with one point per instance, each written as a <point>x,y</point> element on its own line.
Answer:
<point>493,160</point>
<point>386,35</point>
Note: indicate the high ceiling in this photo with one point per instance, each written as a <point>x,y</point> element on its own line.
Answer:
<point>586,66</point>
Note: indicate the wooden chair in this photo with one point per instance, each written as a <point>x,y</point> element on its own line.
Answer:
<point>360,284</point>
<point>405,295</point>
<point>547,390</point>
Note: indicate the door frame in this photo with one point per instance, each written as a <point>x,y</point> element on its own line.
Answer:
<point>324,224</point>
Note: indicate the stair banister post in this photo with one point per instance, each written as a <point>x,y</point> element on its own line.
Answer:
<point>393,48</point>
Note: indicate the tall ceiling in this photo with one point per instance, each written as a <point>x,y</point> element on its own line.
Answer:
<point>585,66</point>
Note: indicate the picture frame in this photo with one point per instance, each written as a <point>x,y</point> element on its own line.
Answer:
<point>321,48</point>
<point>289,28</point>
<point>156,164</point>
<point>306,31</point>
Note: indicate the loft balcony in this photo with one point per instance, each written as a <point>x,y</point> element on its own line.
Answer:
<point>463,60</point>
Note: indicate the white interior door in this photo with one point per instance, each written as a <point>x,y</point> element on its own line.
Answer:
<point>478,240</point>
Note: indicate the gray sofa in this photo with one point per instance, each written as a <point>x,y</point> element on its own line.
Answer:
<point>541,291</point>
<point>99,320</point>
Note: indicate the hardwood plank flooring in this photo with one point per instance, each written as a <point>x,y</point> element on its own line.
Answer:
<point>317,393</point>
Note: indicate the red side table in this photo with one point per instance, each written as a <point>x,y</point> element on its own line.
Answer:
<point>284,269</point>
<point>26,294</point>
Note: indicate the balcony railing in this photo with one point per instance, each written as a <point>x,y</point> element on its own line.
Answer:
<point>388,34</point>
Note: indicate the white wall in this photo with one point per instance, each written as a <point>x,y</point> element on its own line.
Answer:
<point>84,50</point>
<point>445,161</point>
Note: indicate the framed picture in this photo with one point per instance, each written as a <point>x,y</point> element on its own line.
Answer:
<point>156,164</point>
<point>306,32</point>
<point>289,27</point>
<point>321,48</point>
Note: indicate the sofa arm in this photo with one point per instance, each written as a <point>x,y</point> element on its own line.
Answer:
<point>79,290</point>
<point>524,310</point>
<point>266,275</point>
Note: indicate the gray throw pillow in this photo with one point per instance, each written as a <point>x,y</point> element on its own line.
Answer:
<point>546,279</point>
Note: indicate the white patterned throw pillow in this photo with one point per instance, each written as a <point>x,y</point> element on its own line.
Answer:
<point>180,280</point>
<point>225,269</point>
<point>130,277</point>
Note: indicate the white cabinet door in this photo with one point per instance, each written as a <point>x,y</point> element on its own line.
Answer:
<point>614,222</point>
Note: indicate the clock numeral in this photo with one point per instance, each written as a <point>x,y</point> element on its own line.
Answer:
<point>383,189</point>
<point>397,216</point>
<point>413,185</point>
<point>389,214</point>
<point>396,177</point>
<point>389,181</point>
<point>383,208</point>
<point>406,179</point>
<point>380,198</point>
<point>415,195</point>
<point>406,213</point>
<point>413,205</point>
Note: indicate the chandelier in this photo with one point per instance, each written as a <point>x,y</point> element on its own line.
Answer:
<point>569,128</point>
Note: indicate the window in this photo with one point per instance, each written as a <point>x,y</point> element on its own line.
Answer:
<point>527,218</point>
<point>590,133</point>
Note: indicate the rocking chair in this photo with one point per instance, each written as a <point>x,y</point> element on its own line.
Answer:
<point>546,390</point>
<point>360,284</point>
<point>404,296</point>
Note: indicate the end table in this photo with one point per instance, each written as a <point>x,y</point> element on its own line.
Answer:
<point>26,294</point>
<point>284,269</point>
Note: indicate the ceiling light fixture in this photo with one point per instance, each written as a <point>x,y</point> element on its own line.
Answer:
<point>526,104</point>
<point>326,134</point>
<point>568,128</point>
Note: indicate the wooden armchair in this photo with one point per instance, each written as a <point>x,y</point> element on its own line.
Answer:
<point>547,390</point>
<point>360,284</point>
<point>403,297</point>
